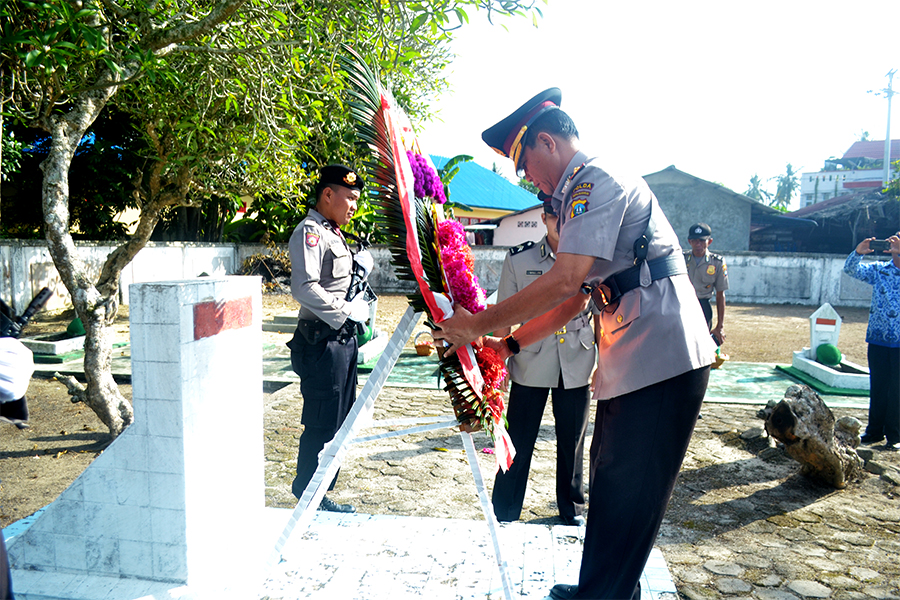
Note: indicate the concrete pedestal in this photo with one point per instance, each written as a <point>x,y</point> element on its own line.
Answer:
<point>161,504</point>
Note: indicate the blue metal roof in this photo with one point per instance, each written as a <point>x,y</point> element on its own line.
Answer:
<point>479,187</point>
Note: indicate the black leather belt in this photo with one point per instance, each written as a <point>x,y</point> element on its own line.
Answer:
<point>315,331</point>
<point>606,295</point>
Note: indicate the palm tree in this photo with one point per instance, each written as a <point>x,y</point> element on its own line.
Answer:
<point>786,184</point>
<point>756,192</point>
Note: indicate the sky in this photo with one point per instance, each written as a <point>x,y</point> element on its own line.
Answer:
<point>722,90</point>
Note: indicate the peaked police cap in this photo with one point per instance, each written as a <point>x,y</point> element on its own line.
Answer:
<point>506,137</point>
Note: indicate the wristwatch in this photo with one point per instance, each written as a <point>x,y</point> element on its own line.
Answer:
<point>512,344</point>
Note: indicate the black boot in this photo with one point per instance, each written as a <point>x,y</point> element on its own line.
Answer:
<point>331,506</point>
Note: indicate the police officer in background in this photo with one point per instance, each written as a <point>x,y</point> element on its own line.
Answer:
<point>709,274</point>
<point>564,362</point>
<point>324,347</point>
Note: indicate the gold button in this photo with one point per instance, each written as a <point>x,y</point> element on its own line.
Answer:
<point>562,340</point>
<point>619,319</point>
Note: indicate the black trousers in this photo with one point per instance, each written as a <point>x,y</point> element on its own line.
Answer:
<point>884,392</point>
<point>707,311</point>
<point>327,373</point>
<point>570,413</point>
<point>639,443</point>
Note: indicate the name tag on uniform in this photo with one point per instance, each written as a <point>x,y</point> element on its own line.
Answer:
<point>534,272</point>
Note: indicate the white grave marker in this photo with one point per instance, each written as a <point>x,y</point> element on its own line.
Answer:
<point>824,328</point>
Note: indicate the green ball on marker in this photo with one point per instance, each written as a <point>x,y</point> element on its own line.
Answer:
<point>828,354</point>
<point>75,328</point>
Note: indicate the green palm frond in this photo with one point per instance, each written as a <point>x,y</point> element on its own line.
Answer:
<point>373,134</point>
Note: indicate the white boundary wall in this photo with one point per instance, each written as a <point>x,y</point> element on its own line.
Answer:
<point>768,278</point>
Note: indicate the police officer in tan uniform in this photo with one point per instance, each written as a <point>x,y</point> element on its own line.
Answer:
<point>562,362</point>
<point>708,274</point>
<point>616,245</point>
<point>324,347</point>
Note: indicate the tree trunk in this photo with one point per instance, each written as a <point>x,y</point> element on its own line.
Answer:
<point>826,449</point>
<point>96,309</point>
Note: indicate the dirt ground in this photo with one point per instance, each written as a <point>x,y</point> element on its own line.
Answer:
<point>39,462</point>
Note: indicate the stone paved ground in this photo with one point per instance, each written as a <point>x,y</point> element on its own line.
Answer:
<point>742,523</point>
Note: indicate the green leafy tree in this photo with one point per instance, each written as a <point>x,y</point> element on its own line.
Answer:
<point>786,184</point>
<point>527,185</point>
<point>893,188</point>
<point>229,97</point>
<point>756,191</point>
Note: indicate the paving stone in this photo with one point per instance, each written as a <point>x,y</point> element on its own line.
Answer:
<point>783,521</point>
<point>864,574</point>
<point>824,565</point>
<point>806,517</point>
<point>694,593</point>
<point>752,561</point>
<point>697,576</point>
<point>809,589</point>
<point>839,582</point>
<point>732,586</point>
<point>875,467</point>
<point>765,594</point>
<point>855,539</point>
<point>891,476</point>
<point>809,550</point>
<point>795,534</point>
<point>865,453</point>
<point>753,433</point>
<point>770,580</point>
<point>886,515</point>
<point>724,568</point>
<point>882,593</point>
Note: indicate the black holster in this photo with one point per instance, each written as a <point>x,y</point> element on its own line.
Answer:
<point>315,331</point>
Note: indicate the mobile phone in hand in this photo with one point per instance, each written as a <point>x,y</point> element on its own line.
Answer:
<point>879,245</point>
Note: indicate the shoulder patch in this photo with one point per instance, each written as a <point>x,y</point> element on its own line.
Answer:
<point>579,206</point>
<point>312,239</point>
<point>521,247</point>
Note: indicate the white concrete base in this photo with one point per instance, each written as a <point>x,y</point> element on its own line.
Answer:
<point>46,344</point>
<point>373,347</point>
<point>829,376</point>
<point>372,557</point>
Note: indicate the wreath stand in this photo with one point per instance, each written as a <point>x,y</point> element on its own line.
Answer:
<point>360,417</point>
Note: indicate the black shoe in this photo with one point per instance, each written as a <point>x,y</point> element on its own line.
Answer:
<point>576,521</point>
<point>563,591</point>
<point>870,439</point>
<point>892,446</point>
<point>332,506</point>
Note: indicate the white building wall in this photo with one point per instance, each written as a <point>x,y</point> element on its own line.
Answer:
<point>832,183</point>
<point>764,278</point>
<point>521,228</point>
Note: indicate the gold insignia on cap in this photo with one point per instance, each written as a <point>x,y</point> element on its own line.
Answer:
<point>350,178</point>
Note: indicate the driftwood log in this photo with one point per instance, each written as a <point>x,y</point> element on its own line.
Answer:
<point>825,448</point>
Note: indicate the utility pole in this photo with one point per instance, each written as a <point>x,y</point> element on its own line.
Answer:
<point>887,93</point>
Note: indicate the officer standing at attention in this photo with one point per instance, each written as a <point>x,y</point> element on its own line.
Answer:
<point>564,362</point>
<point>709,274</point>
<point>324,347</point>
<point>616,246</point>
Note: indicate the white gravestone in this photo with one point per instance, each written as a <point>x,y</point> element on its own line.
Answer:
<point>824,328</point>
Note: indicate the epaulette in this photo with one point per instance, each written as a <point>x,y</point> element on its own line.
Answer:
<point>521,247</point>
<point>717,256</point>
